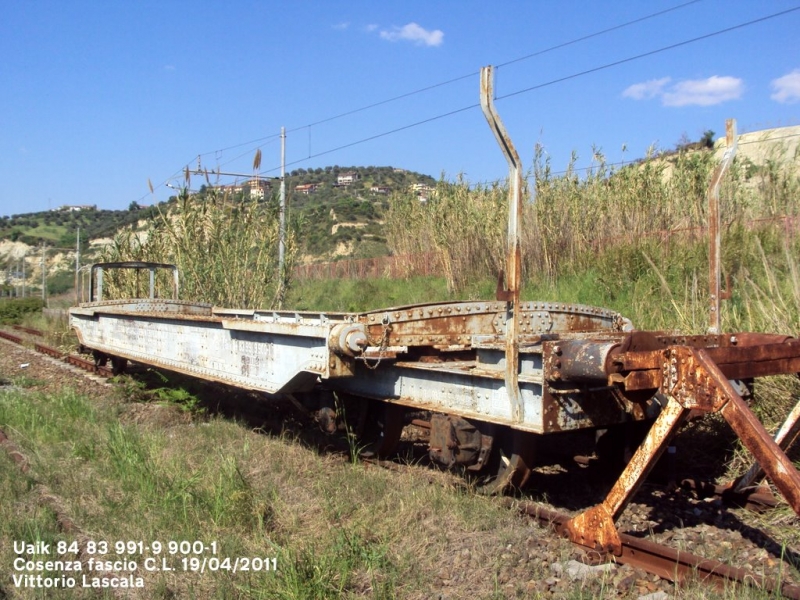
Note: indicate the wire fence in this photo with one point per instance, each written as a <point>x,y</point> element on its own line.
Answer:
<point>389,267</point>
<point>401,266</point>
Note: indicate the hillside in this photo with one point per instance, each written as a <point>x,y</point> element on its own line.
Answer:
<point>335,211</point>
<point>58,227</point>
<point>339,212</point>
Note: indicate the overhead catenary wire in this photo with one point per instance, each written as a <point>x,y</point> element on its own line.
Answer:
<point>475,73</point>
<point>505,96</point>
<point>622,61</point>
<point>550,83</point>
<point>444,83</point>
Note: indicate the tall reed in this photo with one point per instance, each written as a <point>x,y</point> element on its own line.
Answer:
<point>463,226</point>
<point>571,219</point>
<point>226,250</point>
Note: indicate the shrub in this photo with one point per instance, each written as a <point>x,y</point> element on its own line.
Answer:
<point>13,310</point>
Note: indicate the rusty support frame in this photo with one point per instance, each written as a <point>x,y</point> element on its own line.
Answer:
<point>690,380</point>
<point>595,527</point>
<point>785,437</point>
<point>668,563</point>
<point>513,271</point>
<point>715,244</point>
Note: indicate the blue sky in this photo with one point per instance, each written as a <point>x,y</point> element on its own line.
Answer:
<point>98,97</point>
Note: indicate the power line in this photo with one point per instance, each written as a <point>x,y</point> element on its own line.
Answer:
<point>511,94</point>
<point>650,53</point>
<point>380,135</point>
<point>597,34</point>
<point>550,83</point>
<point>461,78</point>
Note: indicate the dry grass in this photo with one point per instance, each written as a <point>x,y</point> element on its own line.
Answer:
<point>571,220</point>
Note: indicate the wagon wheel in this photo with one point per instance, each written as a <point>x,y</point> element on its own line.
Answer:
<point>118,365</point>
<point>376,425</point>
<point>100,359</point>
<point>510,467</point>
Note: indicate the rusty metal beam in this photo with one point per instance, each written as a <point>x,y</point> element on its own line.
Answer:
<point>595,527</point>
<point>11,337</point>
<point>785,437</point>
<point>690,380</point>
<point>715,253</point>
<point>767,453</point>
<point>642,370</point>
<point>513,269</point>
<point>668,563</point>
<point>698,383</point>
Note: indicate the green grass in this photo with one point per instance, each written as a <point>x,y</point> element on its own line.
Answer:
<point>356,295</point>
<point>335,529</point>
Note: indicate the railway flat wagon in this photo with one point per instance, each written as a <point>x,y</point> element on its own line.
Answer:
<point>497,379</point>
<point>572,369</point>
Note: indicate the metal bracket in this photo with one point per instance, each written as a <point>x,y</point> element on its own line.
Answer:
<point>691,381</point>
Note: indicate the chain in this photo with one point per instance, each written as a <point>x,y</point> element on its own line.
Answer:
<point>381,348</point>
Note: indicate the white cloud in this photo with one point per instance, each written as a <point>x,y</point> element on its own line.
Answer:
<point>414,33</point>
<point>697,92</point>
<point>787,88</point>
<point>169,67</point>
<point>646,90</point>
<point>704,92</point>
<point>341,26</point>
<point>371,27</point>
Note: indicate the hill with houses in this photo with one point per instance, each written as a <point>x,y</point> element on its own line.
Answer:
<point>338,213</point>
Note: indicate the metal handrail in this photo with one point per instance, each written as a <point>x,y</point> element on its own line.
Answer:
<point>99,268</point>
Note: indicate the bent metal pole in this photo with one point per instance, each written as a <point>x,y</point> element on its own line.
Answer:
<point>513,272</point>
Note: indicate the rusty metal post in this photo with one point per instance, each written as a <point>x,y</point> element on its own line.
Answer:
<point>513,258</point>
<point>714,251</point>
<point>595,528</point>
<point>785,437</point>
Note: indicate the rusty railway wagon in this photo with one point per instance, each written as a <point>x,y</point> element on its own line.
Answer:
<point>497,377</point>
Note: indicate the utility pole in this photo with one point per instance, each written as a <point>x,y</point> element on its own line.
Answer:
<point>77,262</point>
<point>282,212</point>
<point>23,275</point>
<point>44,274</point>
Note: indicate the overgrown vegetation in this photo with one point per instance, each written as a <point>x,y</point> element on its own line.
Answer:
<point>615,222</point>
<point>225,251</point>
<point>14,310</point>
<point>464,226</point>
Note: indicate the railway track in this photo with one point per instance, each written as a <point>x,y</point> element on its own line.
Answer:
<point>645,555</point>
<point>666,562</point>
<point>75,360</point>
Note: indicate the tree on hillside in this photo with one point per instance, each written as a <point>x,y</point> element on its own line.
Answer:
<point>708,139</point>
